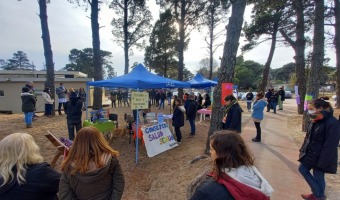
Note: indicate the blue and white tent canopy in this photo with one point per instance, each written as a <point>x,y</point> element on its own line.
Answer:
<point>200,82</point>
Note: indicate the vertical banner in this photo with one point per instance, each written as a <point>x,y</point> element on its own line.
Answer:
<point>296,89</point>
<point>227,89</point>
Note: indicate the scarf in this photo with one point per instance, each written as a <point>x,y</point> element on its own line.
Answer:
<point>227,107</point>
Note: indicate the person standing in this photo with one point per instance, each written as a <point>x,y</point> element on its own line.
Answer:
<point>162,98</point>
<point>273,100</point>
<point>178,118</point>
<point>191,114</point>
<point>91,170</point>
<point>249,99</point>
<point>23,173</point>
<point>48,102</point>
<point>113,97</point>
<point>126,98</point>
<point>61,92</point>
<point>257,115</point>
<point>82,97</point>
<point>233,176</point>
<point>157,98</point>
<point>119,98</point>
<point>169,96</point>
<point>319,151</point>
<point>73,109</point>
<point>232,119</point>
<point>281,98</point>
<point>29,85</point>
<point>28,106</point>
<point>268,96</point>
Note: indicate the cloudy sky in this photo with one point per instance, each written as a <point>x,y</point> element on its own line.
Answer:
<point>70,28</point>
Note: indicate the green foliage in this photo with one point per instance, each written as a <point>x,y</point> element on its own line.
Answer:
<point>82,60</point>
<point>18,62</point>
<point>162,53</point>
<point>247,73</point>
<point>283,73</point>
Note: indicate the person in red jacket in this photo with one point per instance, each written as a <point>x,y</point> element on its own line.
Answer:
<point>234,175</point>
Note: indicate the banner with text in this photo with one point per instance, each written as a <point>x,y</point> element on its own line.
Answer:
<point>139,100</point>
<point>158,139</point>
<point>227,89</point>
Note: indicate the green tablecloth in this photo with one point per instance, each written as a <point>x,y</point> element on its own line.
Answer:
<point>107,126</point>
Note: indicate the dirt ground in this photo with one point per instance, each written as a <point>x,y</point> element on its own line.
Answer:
<point>165,176</point>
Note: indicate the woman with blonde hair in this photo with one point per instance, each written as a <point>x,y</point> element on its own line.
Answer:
<point>23,174</point>
<point>91,170</point>
<point>234,175</point>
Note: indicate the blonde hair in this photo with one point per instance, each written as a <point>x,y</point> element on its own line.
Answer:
<point>88,146</point>
<point>17,150</point>
<point>71,90</point>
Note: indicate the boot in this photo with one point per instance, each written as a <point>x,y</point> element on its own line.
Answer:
<point>29,126</point>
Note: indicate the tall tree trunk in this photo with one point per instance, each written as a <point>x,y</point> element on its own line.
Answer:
<point>313,82</point>
<point>126,46</point>
<point>97,61</point>
<point>265,74</point>
<point>227,69</point>
<point>299,49</point>
<point>337,48</point>
<point>181,46</point>
<point>47,49</point>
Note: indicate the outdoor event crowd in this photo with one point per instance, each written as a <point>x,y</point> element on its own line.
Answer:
<point>91,170</point>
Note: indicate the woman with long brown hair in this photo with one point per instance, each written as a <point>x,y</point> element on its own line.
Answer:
<point>234,175</point>
<point>91,170</point>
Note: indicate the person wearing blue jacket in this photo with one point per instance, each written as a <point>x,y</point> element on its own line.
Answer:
<point>257,115</point>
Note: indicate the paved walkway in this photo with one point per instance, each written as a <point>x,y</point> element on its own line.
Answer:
<point>276,156</point>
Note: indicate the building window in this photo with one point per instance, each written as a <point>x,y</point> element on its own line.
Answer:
<point>2,93</point>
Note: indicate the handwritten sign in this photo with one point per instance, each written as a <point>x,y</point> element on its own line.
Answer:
<point>158,139</point>
<point>139,100</point>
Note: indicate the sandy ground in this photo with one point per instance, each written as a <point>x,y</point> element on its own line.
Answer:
<point>165,176</point>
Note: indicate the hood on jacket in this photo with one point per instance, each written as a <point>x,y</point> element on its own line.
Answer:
<point>251,177</point>
<point>95,174</point>
<point>181,108</point>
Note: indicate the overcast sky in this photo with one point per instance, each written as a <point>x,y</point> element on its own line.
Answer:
<point>70,27</point>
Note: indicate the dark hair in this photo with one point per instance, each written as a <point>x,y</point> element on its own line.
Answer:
<point>320,103</point>
<point>260,95</point>
<point>229,97</point>
<point>25,89</point>
<point>179,101</point>
<point>61,83</point>
<point>231,151</point>
<point>46,89</point>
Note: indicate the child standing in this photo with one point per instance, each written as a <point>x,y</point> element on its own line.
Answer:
<point>178,119</point>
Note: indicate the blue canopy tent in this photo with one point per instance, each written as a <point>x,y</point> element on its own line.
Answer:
<point>138,78</point>
<point>200,82</point>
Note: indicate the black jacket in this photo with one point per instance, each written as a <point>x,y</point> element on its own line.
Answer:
<point>192,110</point>
<point>211,190</point>
<point>274,97</point>
<point>282,93</point>
<point>268,95</point>
<point>28,102</point>
<point>73,110</point>
<point>178,117</point>
<point>234,118</point>
<point>42,182</point>
<point>320,147</point>
<point>250,96</point>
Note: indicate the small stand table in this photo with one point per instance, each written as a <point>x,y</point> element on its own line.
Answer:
<point>204,112</point>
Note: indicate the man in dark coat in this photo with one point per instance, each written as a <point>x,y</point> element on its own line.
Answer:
<point>73,110</point>
<point>191,114</point>
<point>281,98</point>
<point>268,95</point>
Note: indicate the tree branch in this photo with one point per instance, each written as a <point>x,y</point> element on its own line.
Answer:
<point>287,38</point>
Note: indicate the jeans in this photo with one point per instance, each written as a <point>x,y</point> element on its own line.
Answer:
<point>113,103</point>
<point>273,105</point>
<point>59,107</point>
<point>316,181</point>
<point>169,100</point>
<point>71,126</point>
<point>161,104</point>
<point>178,134</point>
<point>192,126</point>
<point>258,130</point>
<point>249,105</point>
<point>48,109</point>
<point>28,117</point>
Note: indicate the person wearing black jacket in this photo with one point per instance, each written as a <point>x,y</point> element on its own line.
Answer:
<point>73,110</point>
<point>273,100</point>
<point>191,111</point>
<point>319,150</point>
<point>281,98</point>
<point>24,174</point>
<point>249,99</point>
<point>178,118</point>
<point>232,119</point>
<point>268,95</point>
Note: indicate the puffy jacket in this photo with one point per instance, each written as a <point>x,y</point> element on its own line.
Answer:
<point>47,98</point>
<point>258,108</point>
<point>192,110</point>
<point>106,183</point>
<point>28,102</point>
<point>234,118</point>
<point>320,147</point>
<point>73,110</point>
<point>42,182</point>
<point>178,117</point>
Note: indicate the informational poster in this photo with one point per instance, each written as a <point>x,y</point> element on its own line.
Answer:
<point>227,89</point>
<point>296,89</point>
<point>158,139</point>
<point>139,100</point>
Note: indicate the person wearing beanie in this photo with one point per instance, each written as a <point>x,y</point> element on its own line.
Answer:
<point>28,106</point>
<point>73,110</point>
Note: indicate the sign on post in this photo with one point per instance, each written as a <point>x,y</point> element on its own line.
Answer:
<point>227,89</point>
<point>158,139</point>
<point>139,100</point>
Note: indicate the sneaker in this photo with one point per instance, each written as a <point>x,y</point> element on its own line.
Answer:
<point>312,197</point>
<point>255,140</point>
<point>179,143</point>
